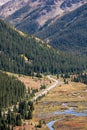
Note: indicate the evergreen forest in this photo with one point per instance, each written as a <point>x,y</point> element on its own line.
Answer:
<point>24,54</point>
<point>13,106</point>
<point>11,90</point>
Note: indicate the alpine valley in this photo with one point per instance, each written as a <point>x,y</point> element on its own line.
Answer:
<point>43,64</point>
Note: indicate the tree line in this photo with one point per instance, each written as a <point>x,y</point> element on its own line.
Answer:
<point>82,77</point>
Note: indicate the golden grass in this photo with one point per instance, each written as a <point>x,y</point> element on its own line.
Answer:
<point>71,123</point>
<point>32,82</point>
<point>74,94</point>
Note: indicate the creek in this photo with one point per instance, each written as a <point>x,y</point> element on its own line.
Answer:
<point>71,111</point>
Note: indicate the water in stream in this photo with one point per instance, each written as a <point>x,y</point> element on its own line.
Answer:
<point>70,112</point>
<point>50,124</point>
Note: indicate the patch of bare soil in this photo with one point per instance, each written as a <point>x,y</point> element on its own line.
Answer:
<point>24,127</point>
<point>31,126</point>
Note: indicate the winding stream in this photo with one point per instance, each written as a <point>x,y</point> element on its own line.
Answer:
<point>70,111</point>
<point>50,124</point>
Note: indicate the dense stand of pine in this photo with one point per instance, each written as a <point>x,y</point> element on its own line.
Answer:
<point>13,107</point>
<point>11,90</point>
<point>20,53</point>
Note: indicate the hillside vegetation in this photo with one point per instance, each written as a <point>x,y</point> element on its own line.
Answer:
<point>81,78</point>
<point>11,90</point>
<point>69,32</point>
<point>13,107</point>
<point>25,54</point>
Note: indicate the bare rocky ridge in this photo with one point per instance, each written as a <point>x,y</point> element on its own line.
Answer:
<point>11,6</point>
<point>46,9</point>
<point>2,2</point>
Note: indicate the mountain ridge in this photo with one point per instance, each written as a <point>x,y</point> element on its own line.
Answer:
<point>2,2</point>
<point>68,32</point>
<point>38,12</point>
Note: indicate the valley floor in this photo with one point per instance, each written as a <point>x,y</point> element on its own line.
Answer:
<point>64,98</point>
<point>65,104</point>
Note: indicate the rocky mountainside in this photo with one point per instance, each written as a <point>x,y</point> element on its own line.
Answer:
<point>69,32</point>
<point>33,15</point>
<point>11,6</point>
<point>2,2</point>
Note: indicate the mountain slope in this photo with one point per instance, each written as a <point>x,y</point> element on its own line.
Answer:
<point>33,15</point>
<point>25,54</point>
<point>69,32</point>
<point>11,6</point>
<point>2,2</point>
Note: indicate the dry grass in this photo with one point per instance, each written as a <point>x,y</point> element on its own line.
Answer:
<point>72,94</point>
<point>66,93</point>
<point>32,82</point>
<point>69,123</point>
